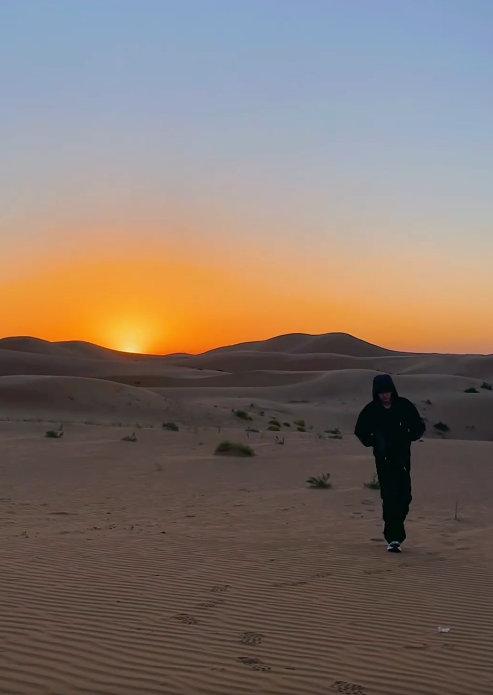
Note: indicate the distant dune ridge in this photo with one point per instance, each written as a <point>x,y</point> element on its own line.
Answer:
<point>330,374</point>
<point>337,343</point>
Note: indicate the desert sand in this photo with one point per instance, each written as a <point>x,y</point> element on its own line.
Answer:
<point>157,566</point>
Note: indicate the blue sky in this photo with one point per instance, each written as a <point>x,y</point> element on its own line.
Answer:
<point>327,125</point>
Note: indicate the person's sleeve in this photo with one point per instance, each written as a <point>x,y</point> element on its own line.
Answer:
<point>363,428</point>
<point>415,422</point>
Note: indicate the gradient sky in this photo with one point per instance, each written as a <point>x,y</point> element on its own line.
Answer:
<point>178,175</point>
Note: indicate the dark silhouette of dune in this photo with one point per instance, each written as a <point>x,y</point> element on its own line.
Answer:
<point>293,352</point>
<point>296,343</point>
<point>27,343</point>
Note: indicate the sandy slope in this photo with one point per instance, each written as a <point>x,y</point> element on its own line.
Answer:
<point>335,398</point>
<point>324,400</point>
<point>295,352</point>
<point>157,567</point>
<point>334,343</point>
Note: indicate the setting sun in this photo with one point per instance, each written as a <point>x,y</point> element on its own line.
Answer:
<point>131,334</point>
<point>130,347</point>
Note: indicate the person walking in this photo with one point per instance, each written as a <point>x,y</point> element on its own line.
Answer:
<point>389,423</point>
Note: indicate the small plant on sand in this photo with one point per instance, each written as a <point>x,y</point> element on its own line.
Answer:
<point>251,429</point>
<point>55,434</point>
<point>274,428</point>
<point>319,481</point>
<point>471,389</point>
<point>286,424</point>
<point>301,429</point>
<point>373,484</point>
<point>334,433</point>
<point>486,385</point>
<point>441,427</point>
<point>171,426</point>
<point>299,423</point>
<point>274,421</point>
<point>234,449</point>
<point>242,414</point>
<point>130,438</point>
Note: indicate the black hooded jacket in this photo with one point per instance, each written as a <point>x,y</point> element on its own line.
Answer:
<point>388,429</point>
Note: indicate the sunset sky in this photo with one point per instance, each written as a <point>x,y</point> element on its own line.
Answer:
<point>181,174</point>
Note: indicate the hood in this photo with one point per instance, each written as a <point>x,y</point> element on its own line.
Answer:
<point>383,383</point>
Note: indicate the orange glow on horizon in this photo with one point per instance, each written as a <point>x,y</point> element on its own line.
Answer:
<point>161,303</point>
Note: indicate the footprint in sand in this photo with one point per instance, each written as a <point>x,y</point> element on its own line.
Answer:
<point>211,604</point>
<point>297,582</point>
<point>186,619</point>
<point>254,663</point>
<point>220,588</point>
<point>251,638</point>
<point>350,688</point>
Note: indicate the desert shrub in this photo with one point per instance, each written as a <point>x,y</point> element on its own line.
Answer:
<point>130,438</point>
<point>373,484</point>
<point>55,434</point>
<point>486,385</point>
<point>274,428</point>
<point>286,424</point>
<point>301,429</point>
<point>171,426</point>
<point>319,481</point>
<point>334,433</point>
<point>242,414</point>
<point>234,449</point>
<point>334,430</point>
<point>441,427</point>
<point>251,429</point>
<point>274,421</point>
<point>300,423</point>
<point>471,389</point>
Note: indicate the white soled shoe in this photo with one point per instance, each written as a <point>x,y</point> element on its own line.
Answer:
<point>394,547</point>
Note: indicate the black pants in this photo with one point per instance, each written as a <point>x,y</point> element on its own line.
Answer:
<point>394,475</point>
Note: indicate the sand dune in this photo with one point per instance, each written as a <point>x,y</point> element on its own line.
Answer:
<point>69,397</point>
<point>337,343</point>
<point>334,398</point>
<point>159,567</point>
<point>19,362</point>
<point>293,352</point>
<point>333,386</point>
<point>236,361</point>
